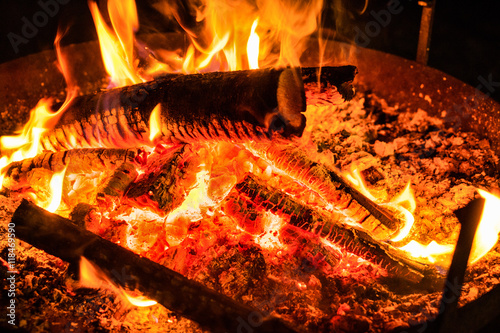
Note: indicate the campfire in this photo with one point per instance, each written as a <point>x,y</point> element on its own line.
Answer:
<point>250,179</point>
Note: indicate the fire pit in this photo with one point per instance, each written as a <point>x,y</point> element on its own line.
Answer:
<point>270,218</point>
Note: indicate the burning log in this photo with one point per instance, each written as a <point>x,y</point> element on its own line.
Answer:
<point>83,160</point>
<point>60,237</point>
<point>330,187</point>
<point>235,106</point>
<point>328,225</point>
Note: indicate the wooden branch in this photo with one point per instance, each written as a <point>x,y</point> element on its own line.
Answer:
<point>329,226</point>
<point>59,237</point>
<point>329,186</point>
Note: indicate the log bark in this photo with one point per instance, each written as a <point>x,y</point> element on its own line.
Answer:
<point>335,192</point>
<point>330,226</point>
<point>59,237</point>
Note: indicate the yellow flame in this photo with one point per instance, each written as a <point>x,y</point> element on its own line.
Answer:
<point>56,189</point>
<point>140,301</point>
<point>253,47</point>
<point>92,277</point>
<point>430,251</point>
<point>404,203</point>
<point>117,44</point>
<point>489,226</point>
<point>155,123</point>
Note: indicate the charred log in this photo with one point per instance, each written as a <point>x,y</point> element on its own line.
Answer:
<point>60,237</point>
<point>76,161</point>
<point>329,226</point>
<point>330,187</point>
<point>169,175</point>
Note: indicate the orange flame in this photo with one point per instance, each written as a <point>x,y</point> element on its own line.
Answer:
<point>117,44</point>
<point>489,226</point>
<point>92,277</point>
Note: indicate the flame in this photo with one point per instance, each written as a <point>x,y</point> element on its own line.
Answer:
<point>155,123</point>
<point>56,189</point>
<point>404,203</point>
<point>117,44</point>
<point>27,143</point>
<point>223,34</point>
<point>92,277</point>
<point>430,251</point>
<point>489,226</point>
<point>253,47</point>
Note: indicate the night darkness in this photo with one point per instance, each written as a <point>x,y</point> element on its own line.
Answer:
<point>465,40</point>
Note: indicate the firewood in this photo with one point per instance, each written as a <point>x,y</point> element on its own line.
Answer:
<point>331,227</point>
<point>240,105</point>
<point>330,187</point>
<point>169,175</point>
<point>60,237</point>
<point>76,161</point>
<point>115,186</point>
<point>236,106</point>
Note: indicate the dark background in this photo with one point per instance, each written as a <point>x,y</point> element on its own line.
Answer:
<point>465,39</point>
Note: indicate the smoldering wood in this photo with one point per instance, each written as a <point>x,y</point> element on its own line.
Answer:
<point>83,160</point>
<point>329,186</point>
<point>58,236</point>
<point>168,177</point>
<point>331,227</point>
<point>237,106</point>
<point>117,183</point>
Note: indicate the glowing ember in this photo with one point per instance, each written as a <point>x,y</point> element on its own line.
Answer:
<point>269,239</point>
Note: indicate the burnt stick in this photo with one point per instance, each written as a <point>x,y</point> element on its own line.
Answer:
<point>58,236</point>
<point>329,186</point>
<point>331,227</point>
<point>83,160</point>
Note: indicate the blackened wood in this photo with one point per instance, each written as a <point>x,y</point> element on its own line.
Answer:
<point>168,177</point>
<point>331,227</point>
<point>76,161</point>
<point>59,237</point>
<point>469,218</point>
<point>236,106</point>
